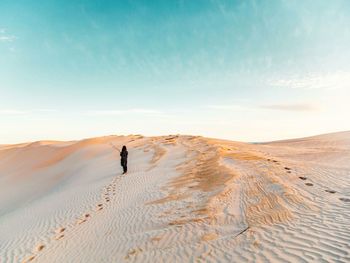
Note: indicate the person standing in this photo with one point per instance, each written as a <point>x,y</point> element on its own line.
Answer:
<point>124,159</point>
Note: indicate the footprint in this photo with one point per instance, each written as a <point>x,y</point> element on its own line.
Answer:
<point>309,184</point>
<point>39,247</point>
<point>59,237</point>
<point>100,205</point>
<point>133,252</point>
<point>99,208</point>
<point>87,215</point>
<point>81,221</point>
<point>60,230</point>
<point>302,178</point>
<point>287,168</point>
<point>330,191</point>
<point>28,259</point>
<point>344,199</point>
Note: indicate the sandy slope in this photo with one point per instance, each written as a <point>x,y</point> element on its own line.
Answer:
<point>184,199</point>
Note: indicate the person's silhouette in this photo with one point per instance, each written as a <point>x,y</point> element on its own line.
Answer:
<point>124,159</point>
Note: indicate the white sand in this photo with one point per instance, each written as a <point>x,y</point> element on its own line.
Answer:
<point>184,199</point>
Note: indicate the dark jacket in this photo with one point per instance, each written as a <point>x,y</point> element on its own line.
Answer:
<point>124,158</point>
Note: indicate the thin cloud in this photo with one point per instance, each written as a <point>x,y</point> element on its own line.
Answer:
<point>334,80</point>
<point>25,112</point>
<point>228,107</point>
<point>122,112</point>
<point>283,107</point>
<point>290,107</point>
<point>7,38</point>
<point>45,110</point>
<point>12,112</point>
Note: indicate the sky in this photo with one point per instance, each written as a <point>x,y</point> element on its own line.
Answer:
<point>241,70</point>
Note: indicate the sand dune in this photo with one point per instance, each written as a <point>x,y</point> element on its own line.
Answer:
<point>184,199</point>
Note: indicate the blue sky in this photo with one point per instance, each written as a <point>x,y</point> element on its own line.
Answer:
<point>241,70</point>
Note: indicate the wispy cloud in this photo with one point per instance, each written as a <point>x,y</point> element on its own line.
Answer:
<point>12,112</point>
<point>228,107</point>
<point>91,112</point>
<point>25,112</point>
<point>4,37</point>
<point>290,107</point>
<point>284,107</point>
<point>122,112</point>
<point>334,80</point>
<point>7,38</point>
<point>45,110</point>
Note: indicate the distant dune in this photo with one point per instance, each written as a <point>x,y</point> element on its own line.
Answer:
<point>184,199</point>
